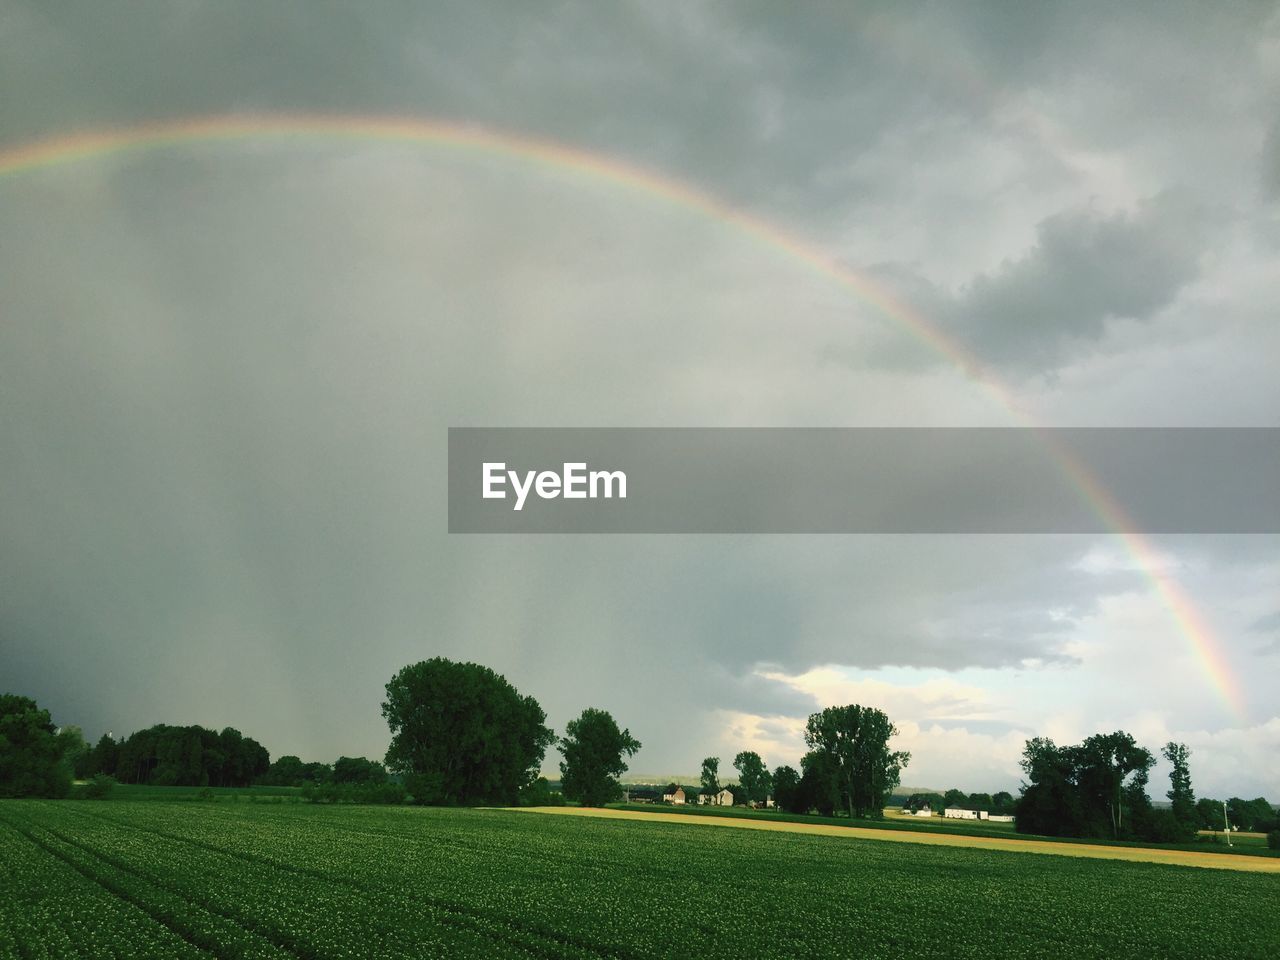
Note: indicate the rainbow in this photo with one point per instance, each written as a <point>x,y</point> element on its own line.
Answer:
<point>85,145</point>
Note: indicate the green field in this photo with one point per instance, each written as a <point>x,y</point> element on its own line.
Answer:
<point>156,879</point>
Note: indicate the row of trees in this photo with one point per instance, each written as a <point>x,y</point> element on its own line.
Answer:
<point>462,734</point>
<point>190,756</point>
<point>849,766</point>
<point>1098,788</point>
<point>1002,802</point>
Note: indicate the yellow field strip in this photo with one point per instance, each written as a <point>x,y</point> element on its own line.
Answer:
<point>1182,858</point>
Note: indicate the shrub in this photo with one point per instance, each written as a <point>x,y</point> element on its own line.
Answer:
<point>1273,840</point>
<point>98,788</point>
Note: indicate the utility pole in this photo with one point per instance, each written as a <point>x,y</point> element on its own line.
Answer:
<point>1226,825</point>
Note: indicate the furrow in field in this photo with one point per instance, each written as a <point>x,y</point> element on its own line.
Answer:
<point>49,909</point>
<point>348,905</point>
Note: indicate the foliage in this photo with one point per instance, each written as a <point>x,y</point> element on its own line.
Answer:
<point>918,801</point>
<point>540,794</point>
<point>190,756</point>
<point>155,880</point>
<point>461,733</point>
<point>786,789</point>
<point>1256,815</point>
<point>1181,797</point>
<point>31,751</point>
<point>99,787</point>
<point>856,738</point>
<point>1094,789</point>
<point>358,770</point>
<point>819,783</point>
<point>366,792</point>
<point>710,776</point>
<point>593,749</point>
<point>1273,840</point>
<point>753,776</point>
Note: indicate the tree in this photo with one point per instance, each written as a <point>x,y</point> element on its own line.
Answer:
<point>1002,802</point>
<point>857,738</point>
<point>31,753</point>
<point>711,776</point>
<point>786,789</point>
<point>461,733</point>
<point>1182,798</point>
<point>358,770</point>
<point>753,776</point>
<point>1209,814</point>
<point>956,798</point>
<point>593,749</point>
<point>1103,763</point>
<point>819,783</point>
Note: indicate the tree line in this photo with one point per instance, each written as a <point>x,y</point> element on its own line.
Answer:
<point>462,734</point>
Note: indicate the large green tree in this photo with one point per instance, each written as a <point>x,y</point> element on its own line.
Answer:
<point>462,734</point>
<point>857,738</point>
<point>786,789</point>
<point>31,752</point>
<point>594,748</point>
<point>753,776</point>
<point>1182,798</point>
<point>710,776</point>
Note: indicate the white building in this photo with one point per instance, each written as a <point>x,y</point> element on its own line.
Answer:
<point>957,813</point>
<point>677,797</point>
<point>1000,818</point>
<point>723,799</point>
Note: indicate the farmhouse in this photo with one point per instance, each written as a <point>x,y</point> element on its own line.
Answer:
<point>922,812</point>
<point>676,797</point>
<point>723,799</point>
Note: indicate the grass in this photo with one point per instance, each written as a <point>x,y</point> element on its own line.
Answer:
<point>959,828</point>
<point>1220,860</point>
<point>155,879</point>
<point>132,791</point>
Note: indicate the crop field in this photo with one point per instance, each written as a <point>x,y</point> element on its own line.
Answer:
<point>155,879</point>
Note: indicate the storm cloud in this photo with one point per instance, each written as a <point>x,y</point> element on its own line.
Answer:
<point>227,368</point>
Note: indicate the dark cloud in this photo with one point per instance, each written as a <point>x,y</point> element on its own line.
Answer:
<point>226,370</point>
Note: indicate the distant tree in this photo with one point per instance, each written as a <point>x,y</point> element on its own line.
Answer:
<point>820,782</point>
<point>286,771</point>
<point>786,789</point>
<point>1209,814</point>
<point>753,776</point>
<point>980,801</point>
<point>1182,798</point>
<point>956,798</point>
<point>75,752</point>
<point>1050,803</point>
<point>918,801</point>
<point>1002,803</point>
<point>31,753</point>
<point>540,794</point>
<point>461,733</point>
<point>593,749</point>
<point>1103,763</point>
<point>857,739</point>
<point>103,756</point>
<point>316,772</point>
<point>711,776</point>
<point>1251,815</point>
<point>1096,788</point>
<point>358,770</point>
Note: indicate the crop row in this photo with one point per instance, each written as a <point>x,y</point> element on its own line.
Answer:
<point>378,882</point>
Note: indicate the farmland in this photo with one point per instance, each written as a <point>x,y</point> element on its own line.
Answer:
<point>157,879</point>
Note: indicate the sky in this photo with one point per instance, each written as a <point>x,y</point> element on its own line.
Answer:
<point>227,365</point>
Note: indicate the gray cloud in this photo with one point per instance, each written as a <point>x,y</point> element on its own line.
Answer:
<point>226,369</point>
